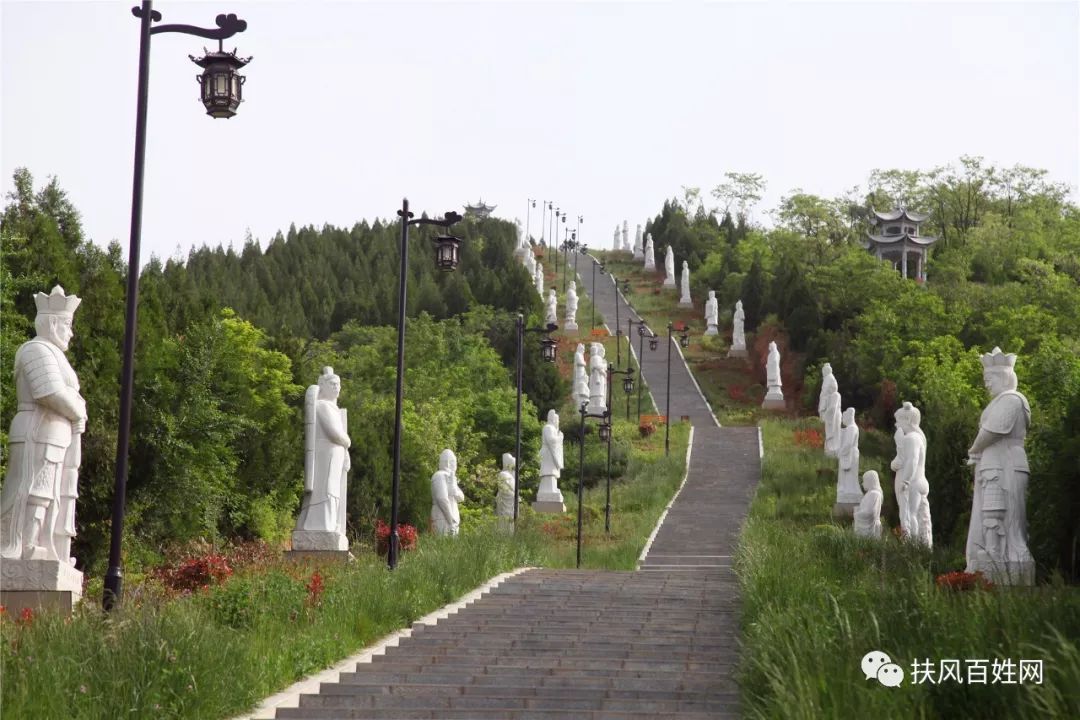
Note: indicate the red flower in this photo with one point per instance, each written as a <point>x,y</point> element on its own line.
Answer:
<point>315,588</point>
<point>194,573</point>
<point>26,617</point>
<point>963,581</point>
<point>406,536</point>
<point>646,429</point>
<point>809,438</point>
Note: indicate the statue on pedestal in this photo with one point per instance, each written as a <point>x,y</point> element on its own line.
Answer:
<point>504,499</point>
<point>445,496</point>
<point>669,267</point>
<point>774,398</point>
<point>625,237</point>
<point>684,282</point>
<point>570,325</point>
<point>37,503</point>
<point>598,368</point>
<point>549,498</point>
<point>538,278</point>
<point>650,259</point>
<point>997,536</point>
<point>866,520</point>
<point>848,494</point>
<point>712,315</point>
<point>639,248</point>
<point>530,262</point>
<point>321,524</point>
<point>552,315</point>
<point>738,335</point>
<point>615,244</point>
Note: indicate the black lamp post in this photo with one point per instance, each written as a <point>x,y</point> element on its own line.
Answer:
<point>628,381</point>
<point>667,411</point>
<point>221,95</point>
<point>605,435</point>
<point>548,350</point>
<point>618,325</point>
<point>529,205</point>
<point>641,328</point>
<point>446,257</point>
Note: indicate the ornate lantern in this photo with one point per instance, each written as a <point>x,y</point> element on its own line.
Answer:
<point>605,431</point>
<point>549,349</point>
<point>641,330</point>
<point>684,341</point>
<point>654,342</point>
<point>221,84</point>
<point>447,252</point>
<point>628,383</point>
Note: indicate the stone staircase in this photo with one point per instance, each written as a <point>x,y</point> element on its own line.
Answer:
<point>556,644</point>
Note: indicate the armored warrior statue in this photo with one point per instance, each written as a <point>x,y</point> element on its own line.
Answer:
<point>37,506</point>
<point>997,536</point>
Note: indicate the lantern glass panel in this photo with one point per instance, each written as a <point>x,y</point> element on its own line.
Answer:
<point>605,432</point>
<point>221,84</point>
<point>653,343</point>
<point>628,384</point>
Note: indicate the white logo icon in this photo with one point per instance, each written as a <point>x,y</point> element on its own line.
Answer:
<point>876,664</point>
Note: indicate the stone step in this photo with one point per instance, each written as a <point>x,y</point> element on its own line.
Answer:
<point>349,690</point>
<point>730,711</point>
<point>485,702</point>
<point>683,681</point>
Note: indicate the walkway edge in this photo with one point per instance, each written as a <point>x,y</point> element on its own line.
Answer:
<point>660,520</point>
<point>694,380</point>
<point>290,696</point>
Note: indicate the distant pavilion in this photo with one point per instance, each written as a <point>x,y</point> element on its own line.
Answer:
<point>899,241</point>
<point>479,210</point>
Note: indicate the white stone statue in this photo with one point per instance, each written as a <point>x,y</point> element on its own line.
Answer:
<point>911,483</point>
<point>848,494</point>
<point>712,315</point>
<point>445,496</point>
<point>552,316</point>
<point>684,286</point>
<point>625,236</point>
<point>504,499</point>
<point>669,267</point>
<point>774,398</point>
<point>832,424</point>
<point>866,520</point>
<point>738,335</point>
<point>522,250</point>
<point>615,243</point>
<point>650,259</point>
<point>549,498</point>
<point>581,376</point>
<point>997,536</point>
<point>598,368</point>
<point>828,387</point>
<point>37,504</point>
<point>538,278</point>
<point>899,488</point>
<point>321,524</point>
<point>639,248</point>
<point>570,322</point>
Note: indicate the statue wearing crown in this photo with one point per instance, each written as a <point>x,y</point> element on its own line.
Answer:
<point>321,525</point>
<point>37,503</point>
<point>997,535</point>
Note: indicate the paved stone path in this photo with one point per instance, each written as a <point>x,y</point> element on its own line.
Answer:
<point>661,642</point>
<point>686,399</point>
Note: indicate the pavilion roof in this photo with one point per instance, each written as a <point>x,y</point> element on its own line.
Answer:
<point>901,212</point>
<point>903,237</point>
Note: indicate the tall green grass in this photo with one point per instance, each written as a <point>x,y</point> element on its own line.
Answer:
<point>217,653</point>
<point>816,599</point>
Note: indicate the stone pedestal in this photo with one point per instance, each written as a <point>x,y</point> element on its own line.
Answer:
<point>570,326</point>
<point>774,399</point>
<point>549,506</point>
<point>303,540</point>
<point>39,585</point>
<point>686,303</point>
<point>1010,572</point>
<point>845,510</point>
<point>741,353</point>
<point>669,282</point>
<point>342,556</point>
<point>712,330</point>
<point>549,499</point>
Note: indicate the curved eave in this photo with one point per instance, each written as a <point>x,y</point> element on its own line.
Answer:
<point>894,239</point>
<point>904,213</point>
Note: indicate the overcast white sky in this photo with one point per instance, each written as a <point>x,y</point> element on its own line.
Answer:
<point>605,107</point>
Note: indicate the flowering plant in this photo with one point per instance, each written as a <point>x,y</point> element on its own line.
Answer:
<point>406,536</point>
<point>194,573</point>
<point>315,587</point>
<point>809,438</point>
<point>960,581</point>
<point>646,429</point>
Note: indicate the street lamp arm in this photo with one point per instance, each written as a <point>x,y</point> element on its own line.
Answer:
<point>227,26</point>
<point>449,219</point>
